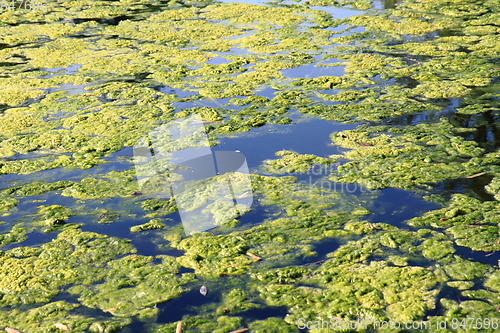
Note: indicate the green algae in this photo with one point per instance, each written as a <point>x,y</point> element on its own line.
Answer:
<point>111,185</point>
<point>133,285</point>
<point>7,203</point>
<point>54,215</point>
<point>43,318</point>
<point>433,153</point>
<point>291,162</point>
<point>36,188</point>
<point>79,130</point>
<point>69,258</point>
<point>151,225</point>
<point>107,326</point>
<point>81,259</point>
<point>271,325</point>
<point>461,285</point>
<point>16,234</point>
<point>348,295</point>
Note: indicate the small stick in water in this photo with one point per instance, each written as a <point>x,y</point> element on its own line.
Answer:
<point>179,327</point>
<point>254,256</point>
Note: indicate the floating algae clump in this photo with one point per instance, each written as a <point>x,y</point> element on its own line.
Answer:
<point>45,318</point>
<point>352,291</point>
<point>73,257</point>
<point>54,215</point>
<point>151,225</point>
<point>7,203</point>
<point>16,234</point>
<point>119,184</point>
<point>409,157</point>
<point>291,162</point>
<point>135,285</point>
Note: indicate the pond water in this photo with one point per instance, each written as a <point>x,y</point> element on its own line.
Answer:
<point>362,180</point>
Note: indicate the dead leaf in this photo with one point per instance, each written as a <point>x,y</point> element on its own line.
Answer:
<point>179,327</point>
<point>62,327</point>
<point>365,144</point>
<point>11,330</point>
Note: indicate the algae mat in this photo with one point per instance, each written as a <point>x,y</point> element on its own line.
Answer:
<point>410,89</point>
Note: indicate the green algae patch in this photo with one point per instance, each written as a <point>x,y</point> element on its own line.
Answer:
<point>43,318</point>
<point>23,252</point>
<point>461,210</point>
<point>272,325</point>
<point>494,188</point>
<point>436,249</point>
<point>420,59</point>
<point>159,207</point>
<point>477,237</point>
<point>208,255</point>
<point>16,234</point>
<point>54,215</point>
<point>115,184</point>
<point>291,162</point>
<point>151,225</point>
<point>306,218</point>
<point>108,326</point>
<point>461,285</point>
<point>205,323</point>
<point>81,259</point>
<point>353,291</point>
<point>461,269</point>
<point>134,285</point>
<point>408,157</point>
<point>35,275</point>
<point>37,188</point>
<point>7,203</point>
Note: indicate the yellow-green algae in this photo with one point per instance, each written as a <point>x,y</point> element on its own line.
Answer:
<point>151,225</point>
<point>382,156</point>
<point>31,274</point>
<point>291,162</point>
<point>43,318</point>
<point>409,60</point>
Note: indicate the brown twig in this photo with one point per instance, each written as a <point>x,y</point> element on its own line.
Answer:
<point>254,256</point>
<point>476,175</point>
<point>314,263</point>
<point>239,331</point>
